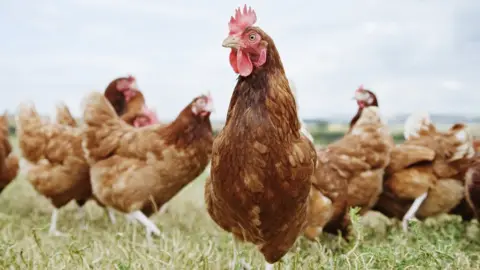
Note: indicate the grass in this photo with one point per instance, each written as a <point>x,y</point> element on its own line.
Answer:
<point>190,240</point>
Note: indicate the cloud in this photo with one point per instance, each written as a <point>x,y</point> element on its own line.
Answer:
<point>413,54</point>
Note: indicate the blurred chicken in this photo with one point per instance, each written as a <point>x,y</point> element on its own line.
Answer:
<point>129,102</point>
<point>58,169</point>
<point>365,98</point>
<point>424,177</point>
<point>261,165</point>
<point>8,161</point>
<point>137,170</point>
<point>349,174</point>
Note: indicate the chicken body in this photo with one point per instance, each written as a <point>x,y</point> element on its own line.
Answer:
<point>8,161</point>
<point>425,175</point>
<point>261,165</point>
<point>58,169</point>
<point>137,170</point>
<point>349,173</point>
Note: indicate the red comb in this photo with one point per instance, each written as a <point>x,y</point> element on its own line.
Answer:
<point>360,88</point>
<point>241,20</point>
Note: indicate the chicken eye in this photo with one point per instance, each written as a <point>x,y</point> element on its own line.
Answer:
<point>201,102</point>
<point>252,37</point>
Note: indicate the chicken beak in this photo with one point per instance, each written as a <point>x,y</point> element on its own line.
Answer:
<point>231,42</point>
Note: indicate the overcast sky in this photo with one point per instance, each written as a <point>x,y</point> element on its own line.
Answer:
<point>414,54</point>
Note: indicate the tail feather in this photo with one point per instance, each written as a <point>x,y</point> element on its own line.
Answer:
<point>64,117</point>
<point>417,124</point>
<point>103,128</point>
<point>31,134</point>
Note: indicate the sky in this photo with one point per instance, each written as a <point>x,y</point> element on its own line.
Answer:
<point>414,54</point>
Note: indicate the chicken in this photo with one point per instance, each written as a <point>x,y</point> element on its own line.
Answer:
<point>261,164</point>
<point>8,161</point>
<point>129,102</point>
<point>365,98</point>
<point>58,169</point>
<point>349,174</point>
<point>472,185</point>
<point>137,170</point>
<point>424,177</point>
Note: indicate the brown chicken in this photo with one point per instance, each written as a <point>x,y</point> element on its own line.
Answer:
<point>261,164</point>
<point>8,161</point>
<point>365,98</point>
<point>425,175</point>
<point>58,169</point>
<point>129,102</point>
<point>349,174</point>
<point>137,170</point>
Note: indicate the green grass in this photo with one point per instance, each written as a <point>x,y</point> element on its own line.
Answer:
<point>190,240</point>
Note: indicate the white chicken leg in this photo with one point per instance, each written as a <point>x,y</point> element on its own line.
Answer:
<point>53,224</point>
<point>269,266</point>
<point>111,215</point>
<point>413,210</point>
<point>150,227</point>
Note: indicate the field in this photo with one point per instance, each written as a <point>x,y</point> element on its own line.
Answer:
<point>190,240</point>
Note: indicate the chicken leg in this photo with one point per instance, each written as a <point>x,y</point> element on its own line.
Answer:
<point>150,227</point>
<point>53,224</point>
<point>111,215</point>
<point>413,210</point>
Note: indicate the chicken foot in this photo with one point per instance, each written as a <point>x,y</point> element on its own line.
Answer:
<point>150,227</point>
<point>413,210</point>
<point>161,211</point>
<point>53,224</point>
